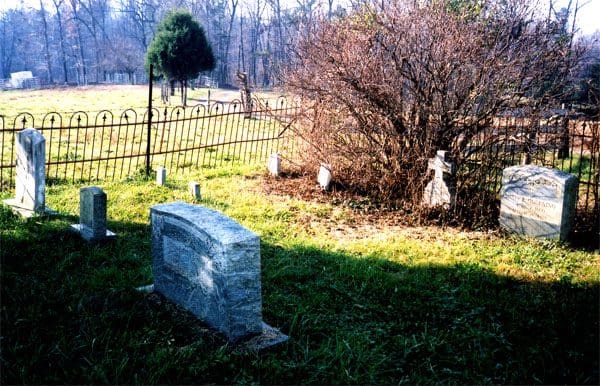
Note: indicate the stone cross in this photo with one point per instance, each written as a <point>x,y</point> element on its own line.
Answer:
<point>210,265</point>
<point>30,182</point>
<point>440,191</point>
<point>92,215</point>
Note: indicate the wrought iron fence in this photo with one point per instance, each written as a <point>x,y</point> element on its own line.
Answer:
<point>106,146</point>
<point>570,145</point>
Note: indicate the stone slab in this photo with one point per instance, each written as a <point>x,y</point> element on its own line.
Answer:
<point>210,265</point>
<point>109,235</point>
<point>25,211</point>
<point>538,201</point>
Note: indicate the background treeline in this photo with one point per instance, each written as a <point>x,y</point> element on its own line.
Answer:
<point>89,41</point>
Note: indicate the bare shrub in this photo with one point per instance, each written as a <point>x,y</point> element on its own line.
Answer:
<point>382,91</point>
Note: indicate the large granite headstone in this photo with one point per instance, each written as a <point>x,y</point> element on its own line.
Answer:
<point>92,215</point>
<point>537,201</point>
<point>210,265</point>
<point>30,182</point>
<point>440,190</point>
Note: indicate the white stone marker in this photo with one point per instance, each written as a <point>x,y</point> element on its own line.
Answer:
<point>274,164</point>
<point>194,189</point>
<point>30,183</point>
<point>324,177</point>
<point>161,176</point>
<point>440,191</point>
<point>537,201</point>
<point>92,215</point>
<point>210,265</point>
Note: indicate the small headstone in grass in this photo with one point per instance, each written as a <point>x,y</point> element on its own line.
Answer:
<point>324,177</point>
<point>538,201</point>
<point>440,190</point>
<point>161,176</point>
<point>274,165</point>
<point>30,182</point>
<point>92,215</point>
<point>210,265</point>
<point>194,189</point>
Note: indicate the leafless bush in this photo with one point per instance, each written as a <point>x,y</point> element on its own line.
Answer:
<point>383,91</point>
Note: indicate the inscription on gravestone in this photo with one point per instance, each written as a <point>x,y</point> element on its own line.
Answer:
<point>537,201</point>
<point>30,182</point>
<point>210,265</point>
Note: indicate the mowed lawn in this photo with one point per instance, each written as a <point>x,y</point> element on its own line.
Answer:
<point>362,302</point>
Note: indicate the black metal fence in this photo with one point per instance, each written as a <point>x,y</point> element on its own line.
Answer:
<point>570,145</point>
<point>105,146</point>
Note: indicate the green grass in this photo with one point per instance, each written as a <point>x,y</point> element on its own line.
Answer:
<point>362,303</point>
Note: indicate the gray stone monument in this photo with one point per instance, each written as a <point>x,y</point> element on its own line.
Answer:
<point>440,190</point>
<point>92,215</point>
<point>194,189</point>
<point>30,182</point>
<point>161,176</point>
<point>210,265</point>
<point>537,201</point>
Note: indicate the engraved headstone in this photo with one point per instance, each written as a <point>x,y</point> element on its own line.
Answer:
<point>194,189</point>
<point>324,176</point>
<point>30,182</point>
<point>440,191</point>
<point>210,265</point>
<point>161,176</point>
<point>274,165</point>
<point>92,215</point>
<point>537,201</point>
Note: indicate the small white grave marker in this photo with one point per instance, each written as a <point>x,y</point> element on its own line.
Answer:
<point>324,177</point>
<point>194,189</point>
<point>439,191</point>
<point>161,176</point>
<point>274,164</point>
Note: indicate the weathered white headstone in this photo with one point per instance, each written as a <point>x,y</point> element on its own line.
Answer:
<point>194,189</point>
<point>537,201</point>
<point>274,165</point>
<point>324,176</point>
<point>440,191</point>
<point>210,265</point>
<point>92,215</point>
<point>30,182</point>
<point>161,176</point>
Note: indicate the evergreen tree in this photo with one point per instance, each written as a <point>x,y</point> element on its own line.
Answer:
<point>180,50</point>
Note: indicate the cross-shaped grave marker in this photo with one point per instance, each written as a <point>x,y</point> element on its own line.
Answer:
<point>440,191</point>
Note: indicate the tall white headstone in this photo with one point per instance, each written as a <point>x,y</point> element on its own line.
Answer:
<point>30,182</point>
<point>537,201</point>
<point>274,164</point>
<point>324,177</point>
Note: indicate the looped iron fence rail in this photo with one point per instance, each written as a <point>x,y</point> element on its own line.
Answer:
<point>109,146</point>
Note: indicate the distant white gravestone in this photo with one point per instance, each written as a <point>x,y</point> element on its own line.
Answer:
<point>210,265</point>
<point>537,201</point>
<point>30,181</point>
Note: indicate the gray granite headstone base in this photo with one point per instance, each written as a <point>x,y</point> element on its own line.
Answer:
<point>88,237</point>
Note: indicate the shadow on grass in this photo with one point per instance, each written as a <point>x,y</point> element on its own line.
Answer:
<point>70,314</point>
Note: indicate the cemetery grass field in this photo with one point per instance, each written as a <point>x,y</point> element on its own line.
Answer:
<point>363,302</point>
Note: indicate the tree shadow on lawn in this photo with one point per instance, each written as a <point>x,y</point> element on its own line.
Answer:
<point>70,314</point>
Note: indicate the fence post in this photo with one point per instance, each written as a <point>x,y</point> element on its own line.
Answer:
<point>149,121</point>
